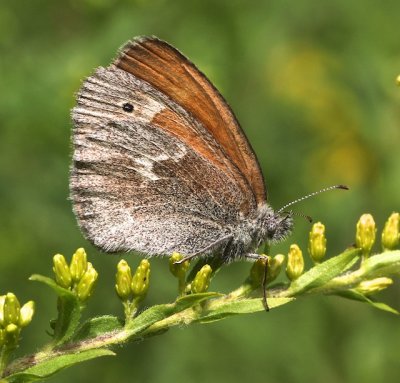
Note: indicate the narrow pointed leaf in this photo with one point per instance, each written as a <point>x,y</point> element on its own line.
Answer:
<point>383,264</point>
<point>160,312</point>
<point>355,295</point>
<point>243,306</point>
<point>98,326</point>
<point>60,291</point>
<point>186,301</point>
<point>69,309</point>
<point>44,369</point>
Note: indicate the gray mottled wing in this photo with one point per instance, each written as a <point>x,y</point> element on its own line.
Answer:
<point>137,185</point>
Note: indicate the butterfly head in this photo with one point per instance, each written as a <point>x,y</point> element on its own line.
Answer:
<point>272,226</point>
<point>278,226</point>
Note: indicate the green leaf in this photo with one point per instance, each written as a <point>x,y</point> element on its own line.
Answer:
<point>98,326</point>
<point>190,300</point>
<point>383,264</point>
<point>243,306</point>
<point>60,291</point>
<point>49,366</point>
<point>355,295</point>
<point>69,310</point>
<point>324,272</point>
<point>160,312</point>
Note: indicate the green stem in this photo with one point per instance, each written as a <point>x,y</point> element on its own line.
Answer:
<point>4,357</point>
<point>145,325</point>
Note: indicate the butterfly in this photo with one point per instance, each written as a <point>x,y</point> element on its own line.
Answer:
<point>161,164</point>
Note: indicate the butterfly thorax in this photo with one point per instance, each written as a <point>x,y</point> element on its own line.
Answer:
<point>265,226</point>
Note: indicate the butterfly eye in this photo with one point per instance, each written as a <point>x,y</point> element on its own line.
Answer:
<point>127,107</point>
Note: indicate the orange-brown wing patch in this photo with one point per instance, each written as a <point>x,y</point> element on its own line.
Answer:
<point>161,65</point>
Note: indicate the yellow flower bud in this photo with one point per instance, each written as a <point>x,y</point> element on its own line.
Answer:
<point>141,280</point>
<point>178,270</point>
<point>61,271</point>
<point>295,263</point>
<point>202,279</point>
<point>11,310</point>
<point>274,267</point>
<point>27,311</point>
<point>78,264</point>
<point>317,242</point>
<point>123,279</point>
<point>2,300</point>
<point>374,285</point>
<point>391,232</point>
<point>365,234</point>
<point>257,271</point>
<point>86,284</point>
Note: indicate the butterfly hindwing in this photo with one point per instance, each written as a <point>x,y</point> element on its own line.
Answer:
<point>138,187</point>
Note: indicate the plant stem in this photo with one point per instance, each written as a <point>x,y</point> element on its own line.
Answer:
<point>4,357</point>
<point>146,324</point>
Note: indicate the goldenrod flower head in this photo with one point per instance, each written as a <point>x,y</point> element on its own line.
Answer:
<point>61,271</point>
<point>374,285</point>
<point>365,234</point>
<point>257,270</point>
<point>317,242</point>
<point>274,267</point>
<point>11,310</point>
<point>27,311</point>
<point>178,270</point>
<point>2,300</point>
<point>391,232</point>
<point>123,279</point>
<point>78,264</point>
<point>295,263</point>
<point>141,280</point>
<point>202,279</point>
<point>86,284</point>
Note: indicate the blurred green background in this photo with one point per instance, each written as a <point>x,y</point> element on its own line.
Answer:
<point>313,84</point>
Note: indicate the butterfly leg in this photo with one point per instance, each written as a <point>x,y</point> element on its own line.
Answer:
<point>264,280</point>
<point>205,250</point>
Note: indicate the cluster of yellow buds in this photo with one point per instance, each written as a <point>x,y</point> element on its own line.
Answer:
<point>13,318</point>
<point>132,288</point>
<point>365,239</point>
<point>179,267</point>
<point>79,276</point>
<point>316,250</point>
<point>366,233</point>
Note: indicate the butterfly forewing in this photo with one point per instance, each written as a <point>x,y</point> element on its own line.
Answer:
<point>161,65</point>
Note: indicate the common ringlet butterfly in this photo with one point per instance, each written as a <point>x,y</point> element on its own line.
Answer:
<point>161,164</point>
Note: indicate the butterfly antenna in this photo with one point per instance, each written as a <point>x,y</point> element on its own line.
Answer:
<point>344,187</point>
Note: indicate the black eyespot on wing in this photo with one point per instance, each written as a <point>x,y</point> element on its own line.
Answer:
<point>127,107</point>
